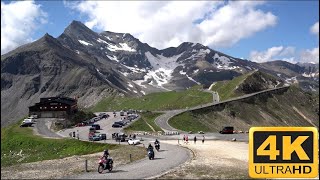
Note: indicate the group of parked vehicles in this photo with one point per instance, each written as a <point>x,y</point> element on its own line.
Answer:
<point>28,122</point>
<point>125,120</point>
<point>93,120</point>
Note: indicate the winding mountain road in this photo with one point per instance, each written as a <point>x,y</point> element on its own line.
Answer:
<point>162,121</point>
<point>168,157</point>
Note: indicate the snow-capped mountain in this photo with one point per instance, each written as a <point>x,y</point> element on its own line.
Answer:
<point>91,65</point>
<point>150,68</point>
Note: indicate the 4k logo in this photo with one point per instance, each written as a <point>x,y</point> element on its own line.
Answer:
<point>283,152</point>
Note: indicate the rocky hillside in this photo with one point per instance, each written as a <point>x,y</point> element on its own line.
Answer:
<point>288,107</point>
<point>91,65</point>
<point>258,81</point>
<point>250,82</point>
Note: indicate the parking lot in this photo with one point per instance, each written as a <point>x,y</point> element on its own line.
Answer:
<point>105,125</point>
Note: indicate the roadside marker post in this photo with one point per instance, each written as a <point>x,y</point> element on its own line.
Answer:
<point>86,165</point>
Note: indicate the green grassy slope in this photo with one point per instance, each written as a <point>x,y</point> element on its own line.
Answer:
<point>273,109</point>
<point>156,101</point>
<point>141,124</point>
<point>35,148</point>
<point>251,82</point>
<point>226,89</point>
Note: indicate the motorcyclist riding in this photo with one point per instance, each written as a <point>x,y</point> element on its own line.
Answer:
<point>106,154</point>
<point>156,142</point>
<point>150,147</point>
<point>157,145</point>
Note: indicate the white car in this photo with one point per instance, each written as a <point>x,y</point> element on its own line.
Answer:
<point>133,141</point>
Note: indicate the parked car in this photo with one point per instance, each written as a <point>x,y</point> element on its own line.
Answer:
<point>34,116</point>
<point>103,115</point>
<point>121,113</point>
<point>27,124</point>
<point>227,130</point>
<point>28,121</point>
<point>120,122</point>
<point>103,136</point>
<point>94,138</point>
<point>115,125</point>
<point>95,119</point>
<point>133,141</point>
<point>92,130</point>
<point>96,126</point>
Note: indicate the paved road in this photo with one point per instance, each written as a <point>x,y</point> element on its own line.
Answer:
<point>105,124</point>
<point>169,157</point>
<point>162,121</point>
<point>41,128</point>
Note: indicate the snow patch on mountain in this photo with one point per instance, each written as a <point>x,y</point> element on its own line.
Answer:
<point>139,83</point>
<point>162,68</point>
<point>102,41</point>
<point>113,58</point>
<point>291,80</point>
<point>310,74</point>
<point>123,47</point>
<point>130,85</point>
<point>85,43</point>
<point>110,39</point>
<point>199,54</point>
<point>182,72</point>
<point>190,78</point>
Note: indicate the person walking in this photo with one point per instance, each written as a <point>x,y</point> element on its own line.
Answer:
<point>195,139</point>
<point>78,134</point>
<point>202,139</point>
<point>184,138</point>
<point>187,139</point>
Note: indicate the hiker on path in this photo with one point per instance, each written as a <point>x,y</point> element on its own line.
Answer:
<point>202,139</point>
<point>195,139</point>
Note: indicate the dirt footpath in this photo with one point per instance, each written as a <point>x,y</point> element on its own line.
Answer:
<point>213,160</point>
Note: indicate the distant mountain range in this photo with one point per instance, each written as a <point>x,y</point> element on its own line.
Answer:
<point>88,65</point>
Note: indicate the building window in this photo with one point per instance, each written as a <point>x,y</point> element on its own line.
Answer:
<point>45,107</point>
<point>60,107</point>
<point>40,107</point>
<point>65,107</point>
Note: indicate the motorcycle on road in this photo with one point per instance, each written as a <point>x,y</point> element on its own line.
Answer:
<point>157,146</point>
<point>105,164</point>
<point>150,154</point>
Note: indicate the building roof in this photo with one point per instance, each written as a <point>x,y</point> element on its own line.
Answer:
<point>64,100</point>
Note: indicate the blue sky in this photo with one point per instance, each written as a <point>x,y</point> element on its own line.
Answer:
<point>284,30</point>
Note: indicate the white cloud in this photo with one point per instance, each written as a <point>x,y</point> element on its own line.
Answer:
<point>169,23</point>
<point>274,53</point>
<point>18,22</point>
<point>315,29</point>
<point>310,55</point>
<point>288,54</point>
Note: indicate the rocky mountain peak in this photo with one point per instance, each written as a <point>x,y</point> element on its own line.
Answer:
<point>76,29</point>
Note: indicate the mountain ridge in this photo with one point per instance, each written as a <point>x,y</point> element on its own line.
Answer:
<point>91,65</point>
